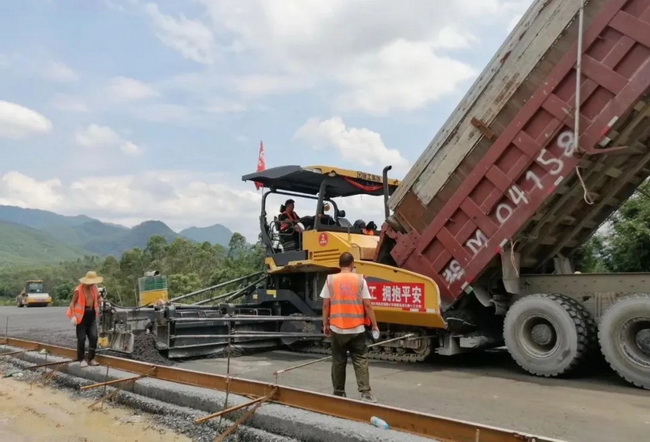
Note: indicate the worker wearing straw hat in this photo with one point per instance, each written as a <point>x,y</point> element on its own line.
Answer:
<point>83,313</point>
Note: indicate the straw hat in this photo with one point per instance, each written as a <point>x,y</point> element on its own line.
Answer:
<point>91,278</point>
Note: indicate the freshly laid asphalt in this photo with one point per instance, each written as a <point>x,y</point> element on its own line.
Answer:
<point>486,388</point>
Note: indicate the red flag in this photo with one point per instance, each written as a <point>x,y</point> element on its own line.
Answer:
<point>261,165</point>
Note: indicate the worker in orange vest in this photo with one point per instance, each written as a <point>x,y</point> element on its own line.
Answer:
<point>346,306</point>
<point>370,228</point>
<point>83,313</point>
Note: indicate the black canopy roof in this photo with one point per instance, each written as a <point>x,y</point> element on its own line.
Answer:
<point>307,180</point>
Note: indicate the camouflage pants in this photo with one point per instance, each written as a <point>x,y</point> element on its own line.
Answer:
<point>356,345</point>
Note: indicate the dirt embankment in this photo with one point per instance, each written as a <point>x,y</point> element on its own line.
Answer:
<point>36,413</point>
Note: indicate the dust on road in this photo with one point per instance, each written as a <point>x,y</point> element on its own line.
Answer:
<point>36,413</point>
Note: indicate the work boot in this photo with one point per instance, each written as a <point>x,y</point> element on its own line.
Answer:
<point>340,394</point>
<point>366,396</point>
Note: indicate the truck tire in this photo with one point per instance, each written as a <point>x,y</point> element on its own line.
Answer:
<point>624,337</point>
<point>547,335</point>
<point>594,358</point>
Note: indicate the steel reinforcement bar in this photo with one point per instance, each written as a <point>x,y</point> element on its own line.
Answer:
<point>421,424</point>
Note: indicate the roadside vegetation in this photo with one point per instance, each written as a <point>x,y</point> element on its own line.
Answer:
<point>622,244</point>
<point>187,265</point>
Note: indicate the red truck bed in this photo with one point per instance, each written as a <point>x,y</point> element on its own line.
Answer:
<point>514,180</point>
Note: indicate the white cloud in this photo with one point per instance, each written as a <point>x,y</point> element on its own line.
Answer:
<point>360,146</point>
<point>127,199</point>
<point>515,10</point>
<point>129,89</point>
<point>130,148</point>
<point>451,38</point>
<point>219,106</point>
<point>103,137</point>
<point>381,56</point>
<point>191,38</point>
<point>20,190</point>
<point>401,76</point>
<point>60,72</point>
<point>95,136</point>
<point>271,84</point>
<point>163,113</point>
<point>119,5</point>
<point>17,121</point>
<point>68,103</point>
<point>377,57</point>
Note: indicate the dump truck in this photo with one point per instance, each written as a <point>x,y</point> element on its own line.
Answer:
<point>550,140</point>
<point>33,295</point>
<point>475,251</point>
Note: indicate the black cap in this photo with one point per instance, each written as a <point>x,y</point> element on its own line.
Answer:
<point>289,201</point>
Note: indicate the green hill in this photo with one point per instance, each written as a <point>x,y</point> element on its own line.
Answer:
<point>217,234</point>
<point>52,237</point>
<point>39,219</point>
<point>117,243</point>
<point>20,245</point>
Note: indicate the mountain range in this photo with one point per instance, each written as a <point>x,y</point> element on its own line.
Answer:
<point>33,236</point>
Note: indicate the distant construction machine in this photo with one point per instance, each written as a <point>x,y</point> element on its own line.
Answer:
<point>33,295</point>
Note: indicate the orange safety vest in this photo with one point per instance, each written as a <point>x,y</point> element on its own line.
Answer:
<point>77,310</point>
<point>292,217</point>
<point>346,305</point>
<point>368,232</point>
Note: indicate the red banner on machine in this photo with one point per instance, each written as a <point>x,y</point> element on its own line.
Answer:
<point>403,295</point>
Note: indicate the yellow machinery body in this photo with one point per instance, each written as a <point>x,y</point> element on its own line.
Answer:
<point>33,294</point>
<point>152,289</point>
<point>399,296</point>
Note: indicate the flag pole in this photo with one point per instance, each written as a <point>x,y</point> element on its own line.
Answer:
<point>261,165</point>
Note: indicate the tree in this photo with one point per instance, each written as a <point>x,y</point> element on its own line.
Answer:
<point>179,284</point>
<point>63,292</point>
<point>623,245</point>
<point>237,245</point>
<point>189,266</point>
<point>156,250</point>
<point>628,248</point>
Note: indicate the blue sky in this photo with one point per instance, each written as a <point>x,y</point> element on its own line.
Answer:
<point>129,110</point>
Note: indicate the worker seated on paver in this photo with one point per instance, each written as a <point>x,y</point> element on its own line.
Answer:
<point>370,229</point>
<point>360,225</point>
<point>290,229</point>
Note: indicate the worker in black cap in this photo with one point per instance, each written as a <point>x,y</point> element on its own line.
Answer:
<point>289,221</point>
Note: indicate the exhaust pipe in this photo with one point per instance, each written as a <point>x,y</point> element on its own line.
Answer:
<point>386,191</point>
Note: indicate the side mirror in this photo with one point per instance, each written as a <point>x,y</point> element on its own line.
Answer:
<point>341,213</point>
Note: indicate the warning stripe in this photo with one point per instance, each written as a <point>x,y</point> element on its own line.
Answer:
<point>603,134</point>
<point>420,310</point>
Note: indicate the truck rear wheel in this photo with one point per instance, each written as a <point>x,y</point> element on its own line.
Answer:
<point>547,335</point>
<point>624,337</point>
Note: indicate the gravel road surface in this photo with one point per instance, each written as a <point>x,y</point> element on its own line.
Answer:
<point>486,388</point>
